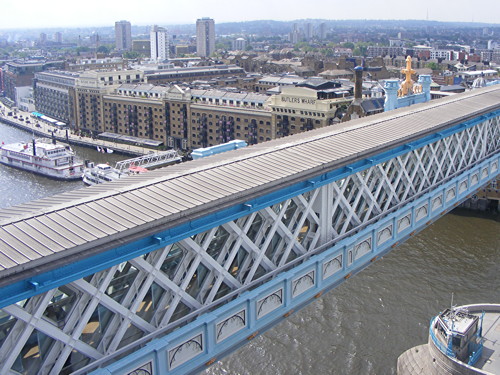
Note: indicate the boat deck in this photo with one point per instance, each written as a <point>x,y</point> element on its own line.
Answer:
<point>490,360</point>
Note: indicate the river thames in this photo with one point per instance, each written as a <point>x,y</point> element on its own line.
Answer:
<point>362,326</point>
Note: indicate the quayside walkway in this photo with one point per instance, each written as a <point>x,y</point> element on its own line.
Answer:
<point>168,271</point>
<point>25,121</point>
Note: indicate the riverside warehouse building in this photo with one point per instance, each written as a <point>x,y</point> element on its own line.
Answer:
<point>177,116</point>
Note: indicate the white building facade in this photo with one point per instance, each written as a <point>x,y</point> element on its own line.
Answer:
<point>159,43</point>
<point>239,44</point>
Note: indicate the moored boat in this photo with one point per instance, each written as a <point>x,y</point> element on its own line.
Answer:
<point>100,173</point>
<point>44,158</point>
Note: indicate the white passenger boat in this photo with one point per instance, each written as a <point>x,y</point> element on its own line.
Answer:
<point>42,157</point>
<point>100,173</point>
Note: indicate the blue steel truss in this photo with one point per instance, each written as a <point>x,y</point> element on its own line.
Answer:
<point>175,302</point>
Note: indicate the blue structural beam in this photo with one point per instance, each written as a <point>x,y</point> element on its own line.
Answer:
<point>83,267</point>
<point>197,345</point>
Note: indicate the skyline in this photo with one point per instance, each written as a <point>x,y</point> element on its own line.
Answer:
<point>97,13</point>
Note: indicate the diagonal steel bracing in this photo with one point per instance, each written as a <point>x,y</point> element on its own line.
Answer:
<point>93,317</point>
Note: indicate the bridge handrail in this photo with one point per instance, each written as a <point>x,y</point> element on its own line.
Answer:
<point>148,160</point>
<point>254,284</point>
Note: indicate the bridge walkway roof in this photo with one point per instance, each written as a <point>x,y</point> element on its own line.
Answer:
<point>42,235</point>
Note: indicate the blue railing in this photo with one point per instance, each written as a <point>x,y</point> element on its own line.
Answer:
<point>476,348</point>
<point>442,347</point>
<point>476,354</point>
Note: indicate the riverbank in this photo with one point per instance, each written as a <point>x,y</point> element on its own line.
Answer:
<point>27,122</point>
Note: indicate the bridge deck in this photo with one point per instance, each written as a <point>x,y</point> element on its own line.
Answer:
<point>41,235</point>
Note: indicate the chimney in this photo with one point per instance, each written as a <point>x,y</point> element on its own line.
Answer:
<point>358,82</point>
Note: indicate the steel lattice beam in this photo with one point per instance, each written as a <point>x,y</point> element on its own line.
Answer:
<point>193,273</point>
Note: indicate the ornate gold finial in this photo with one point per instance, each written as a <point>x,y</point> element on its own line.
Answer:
<point>407,86</point>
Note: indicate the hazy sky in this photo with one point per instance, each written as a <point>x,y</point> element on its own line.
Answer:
<point>67,13</point>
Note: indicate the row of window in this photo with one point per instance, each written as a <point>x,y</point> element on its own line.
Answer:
<point>228,118</point>
<point>128,106</point>
<point>228,102</point>
<point>140,114</point>
<point>293,119</point>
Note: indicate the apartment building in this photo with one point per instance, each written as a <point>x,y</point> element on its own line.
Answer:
<point>219,116</point>
<point>21,74</point>
<point>183,118</point>
<point>376,51</point>
<point>205,37</point>
<point>159,44</point>
<point>123,36</point>
<point>191,74</point>
<point>55,94</point>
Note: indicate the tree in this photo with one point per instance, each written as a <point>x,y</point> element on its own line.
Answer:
<point>82,49</point>
<point>103,49</point>
<point>348,45</point>
<point>328,52</point>
<point>360,48</point>
<point>223,45</point>
<point>433,65</point>
<point>131,55</point>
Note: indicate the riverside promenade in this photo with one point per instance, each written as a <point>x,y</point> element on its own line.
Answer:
<point>26,121</point>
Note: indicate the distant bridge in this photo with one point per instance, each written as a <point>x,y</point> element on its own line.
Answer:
<point>166,272</point>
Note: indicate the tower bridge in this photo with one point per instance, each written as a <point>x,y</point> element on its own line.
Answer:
<point>166,272</point>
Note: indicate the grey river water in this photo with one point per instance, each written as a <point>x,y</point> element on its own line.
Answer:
<point>362,326</point>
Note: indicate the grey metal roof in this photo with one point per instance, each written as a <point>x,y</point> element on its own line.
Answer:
<point>40,235</point>
<point>229,95</point>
